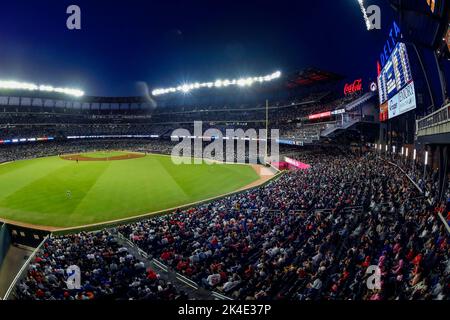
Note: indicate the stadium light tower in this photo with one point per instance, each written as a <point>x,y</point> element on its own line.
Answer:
<point>364,12</point>
<point>219,83</point>
<point>16,85</point>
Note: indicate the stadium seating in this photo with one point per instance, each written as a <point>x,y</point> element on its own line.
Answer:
<point>308,235</point>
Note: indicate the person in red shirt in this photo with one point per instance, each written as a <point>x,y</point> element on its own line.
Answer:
<point>151,274</point>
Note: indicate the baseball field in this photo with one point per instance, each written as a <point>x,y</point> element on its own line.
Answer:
<point>91,188</point>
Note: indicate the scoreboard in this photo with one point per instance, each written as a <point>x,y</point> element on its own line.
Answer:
<point>395,75</point>
<point>395,85</point>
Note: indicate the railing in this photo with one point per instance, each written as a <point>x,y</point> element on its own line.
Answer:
<point>348,122</point>
<point>171,274</point>
<point>434,119</point>
<point>23,271</point>
<point>441,217</point>
<point>359,101</point>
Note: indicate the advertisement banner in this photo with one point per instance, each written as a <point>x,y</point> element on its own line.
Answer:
<point>384,111</point>
<point>402,102</point>
<point>319,115</point>
<point>393,107</point>
<point>407,99</point>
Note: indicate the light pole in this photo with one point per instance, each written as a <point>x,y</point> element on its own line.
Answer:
<point>425,166</point>
<point>267,130</point>
<point>401,157</point>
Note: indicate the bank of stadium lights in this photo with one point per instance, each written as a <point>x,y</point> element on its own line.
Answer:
<point>16,85</point>
<point>364,12</point>
<point>242,82</point>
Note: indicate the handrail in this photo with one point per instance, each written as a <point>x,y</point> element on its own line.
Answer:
<point>24,268</point>
<point>367,96</point>
<point>421,191</point>
<point>422,123</point>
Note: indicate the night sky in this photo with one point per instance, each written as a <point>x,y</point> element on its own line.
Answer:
<point>165,43</point>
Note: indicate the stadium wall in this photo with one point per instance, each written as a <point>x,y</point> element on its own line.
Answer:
<point>5,242</point>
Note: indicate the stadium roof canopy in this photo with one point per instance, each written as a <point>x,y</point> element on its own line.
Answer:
<point>311,77</point>
<point>421,23</point>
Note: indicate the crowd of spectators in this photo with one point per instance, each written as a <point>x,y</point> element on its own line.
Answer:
<point>162,121</point>
<point>52,148</point>
<point>279,242</point>
<point>107,271</point>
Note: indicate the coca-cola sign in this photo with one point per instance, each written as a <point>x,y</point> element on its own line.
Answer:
<point>354,87</point>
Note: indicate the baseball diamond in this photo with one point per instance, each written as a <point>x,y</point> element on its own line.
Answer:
<point>104,189</point>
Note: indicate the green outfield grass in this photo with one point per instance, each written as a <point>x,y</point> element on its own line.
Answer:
<point>36,191</point>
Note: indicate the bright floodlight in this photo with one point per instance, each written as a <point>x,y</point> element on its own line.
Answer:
<point>363,10</point>
<point>16,85</point>
<point>242,82</point>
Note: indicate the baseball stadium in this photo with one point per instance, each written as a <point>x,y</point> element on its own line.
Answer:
<point>225,152</point>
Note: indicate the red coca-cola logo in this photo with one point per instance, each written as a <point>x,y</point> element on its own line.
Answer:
<point>354,87</point>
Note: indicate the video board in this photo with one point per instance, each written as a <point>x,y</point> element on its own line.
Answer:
<point>395,85</point>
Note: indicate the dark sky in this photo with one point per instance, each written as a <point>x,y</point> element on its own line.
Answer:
<point>164,43</point>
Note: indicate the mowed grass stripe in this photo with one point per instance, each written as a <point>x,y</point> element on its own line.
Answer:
<point>110,190</point>
<point>226,177</point>
<point>14,176</point>
<point>46,200</point>
<point>133,187</point>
